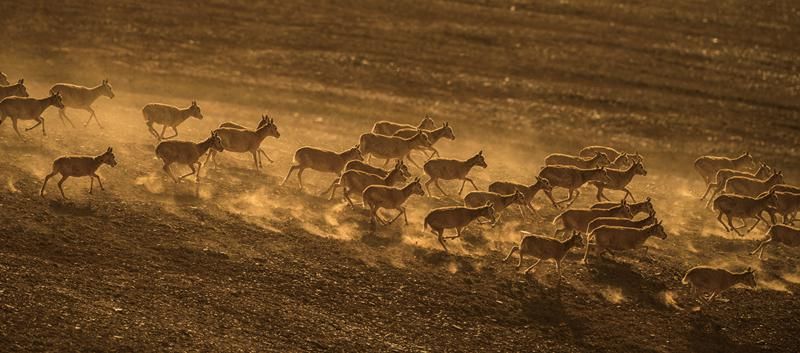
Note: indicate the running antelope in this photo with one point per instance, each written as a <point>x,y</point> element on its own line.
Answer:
<point>750,186</point>
<point>785,188</point>
<point>645,207</point>
<point>622,222</point>
<point>544,248</point>
<point>506,187</point>
<point>16,90</point>
<point>709,280</point>
<point>355,181</point>
<point>390,198</point>
<point>388,128</point>
<point>457,217</point>
<point>366,168</point>
<point>620,178</point>
<point>723,175</point>
<point>79,166</point>
<point>744,207</point>
<point>614,238</point>
<point>392,147</point>
<point>612,153</point>
<point>780,234</point>
<point>708,166</point>
<point>452,169</point>
<point>787,204</point>
<point>168,116</point>
<point>500,202</point>
<point>624,160</point>
<point>24,108</point>
<point>321,160</point>
<point>445,131</point>
<point>572,178</point>
<point>186,152</point>
<point>244,140</point>
<point>80,97</point>
<point>598,160</point>
<point>264,121</point>
<point>578,219</point>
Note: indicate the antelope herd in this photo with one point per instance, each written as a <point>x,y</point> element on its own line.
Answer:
<point>738,188</point>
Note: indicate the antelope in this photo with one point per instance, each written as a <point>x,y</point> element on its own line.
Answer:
<point>445,131</point>
<point>3,79</point>
<point>598,160</point>
<point>500,202</point>
<point>622,238</point>
<point>781,234</point>
<point>744,207</point>
<point>390,198</point>
<point>785,188</point>
<point>366,168</point>
<point>452,169</point>
<point>620,178</point>
<point>186,152</point>
<point>79,166</point>
<point>321,160</point>
<point>457,217</point>
<point>355,181</point>
<point>612,153</point>
<point>80,97</point>
<point>723,175</point>
<point>572,178</point>
<point>751,187</point>
<point>624,160</point>
<point>505,187</point>
<point>578,219</point>
<point>243,140</point>
<point>388,128</point>
<point>707,166</point>
<point>544,248</point>
<point>622,222</point>
<point>787,204</point>
<point>645,206</point>
<point>15,90</point>
<point>168,116</point>
<point>264,121</point>
<point>24,108</point>
<point>705,279</point>
<point>391,147</point>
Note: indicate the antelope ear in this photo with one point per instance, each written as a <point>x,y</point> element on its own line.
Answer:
<point>21,81</point>
<point>649,199</point>
<point>108,150</point>
<point>480,153</point>
<point>750,269</point>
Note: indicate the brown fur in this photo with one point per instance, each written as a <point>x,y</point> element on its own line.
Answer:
<point>79,166</point>
<point>321,160</point>
<point>168,116</point>
<point>80,97</point>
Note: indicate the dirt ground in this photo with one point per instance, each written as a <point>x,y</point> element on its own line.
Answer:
<point>240,263</point>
